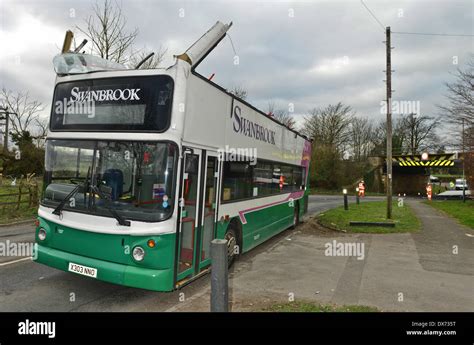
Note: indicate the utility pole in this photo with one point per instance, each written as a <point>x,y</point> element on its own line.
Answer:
<point>388,71</point>
<point>463,165</point>
<point>5,134</point>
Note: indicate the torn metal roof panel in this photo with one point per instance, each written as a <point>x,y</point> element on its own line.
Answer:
<point>205,44</point>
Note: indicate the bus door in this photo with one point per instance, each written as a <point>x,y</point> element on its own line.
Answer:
<point>209,208</point>
<point>197,208</point>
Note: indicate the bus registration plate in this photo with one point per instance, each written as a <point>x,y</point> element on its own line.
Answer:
<point>84,270</point>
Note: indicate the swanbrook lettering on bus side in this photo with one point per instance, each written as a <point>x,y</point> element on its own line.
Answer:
<point>251,129</point>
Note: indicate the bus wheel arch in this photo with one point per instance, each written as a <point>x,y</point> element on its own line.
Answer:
<point>234,234</point>
<point>296,215</point>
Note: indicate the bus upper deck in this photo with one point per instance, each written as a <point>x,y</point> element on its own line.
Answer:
<point>145,167</point>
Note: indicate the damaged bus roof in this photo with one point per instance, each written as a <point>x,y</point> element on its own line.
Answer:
<point>69,63</point>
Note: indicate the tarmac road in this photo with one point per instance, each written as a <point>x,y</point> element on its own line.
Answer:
<point>28,286</point>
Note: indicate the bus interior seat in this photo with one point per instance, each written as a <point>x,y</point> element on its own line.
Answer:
<point>114,179</point>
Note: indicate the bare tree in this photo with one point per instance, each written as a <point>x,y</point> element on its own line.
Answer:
<point>419,133</point>
<point>41,130</point>
<point>469,137</point>
<point>107,31</point>
<point>284,117</point>
<point>460,96</point>
<point>239,91</point>
<point>361,137</point>
<point>271,108</point>
<point>281,115</point>
<point>153,62</point>
<point>399,137</point>
<point>23,110</point>
<point>459,112</point>
<point>330,126</point>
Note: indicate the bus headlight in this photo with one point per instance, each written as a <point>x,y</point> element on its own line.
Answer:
<point>41,234</point>
<point>138,253</point>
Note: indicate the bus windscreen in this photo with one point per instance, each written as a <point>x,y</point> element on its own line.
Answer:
<point>113,104</point>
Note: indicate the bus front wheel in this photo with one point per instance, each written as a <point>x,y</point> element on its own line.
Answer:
<point>232,245</point>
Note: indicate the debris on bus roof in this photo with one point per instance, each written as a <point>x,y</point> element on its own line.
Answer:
<point>75,63</point>
<point>205,44</point>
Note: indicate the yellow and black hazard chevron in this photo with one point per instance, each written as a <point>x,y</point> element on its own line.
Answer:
<point>433,163</point>
<point>417,162</point>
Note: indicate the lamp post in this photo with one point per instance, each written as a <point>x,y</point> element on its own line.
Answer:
<point>346,204</point>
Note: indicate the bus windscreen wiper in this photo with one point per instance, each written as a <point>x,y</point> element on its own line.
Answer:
<point>57,210</point>
<point>120,219</point>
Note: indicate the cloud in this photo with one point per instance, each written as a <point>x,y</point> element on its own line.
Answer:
<point>309,53</point>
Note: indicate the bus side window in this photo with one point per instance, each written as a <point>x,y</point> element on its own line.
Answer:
<point>287,173</point>
<point>276,179</point>
<point>262,178</point>
<point>237,181</point>
<point>298,175</point>
<point>192,164</point>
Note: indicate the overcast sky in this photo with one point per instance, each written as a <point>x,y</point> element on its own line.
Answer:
<point>309,53</point>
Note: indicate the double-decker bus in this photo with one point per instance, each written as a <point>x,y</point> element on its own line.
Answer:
<point>144,168</point>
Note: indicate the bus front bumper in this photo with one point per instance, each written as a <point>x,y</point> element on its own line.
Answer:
<point>132,276</point>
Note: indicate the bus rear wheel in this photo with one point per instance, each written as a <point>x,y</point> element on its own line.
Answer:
<point>296,217</point>
<point>231,238</point>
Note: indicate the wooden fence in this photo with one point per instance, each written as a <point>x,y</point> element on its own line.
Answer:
<point>25,192</point>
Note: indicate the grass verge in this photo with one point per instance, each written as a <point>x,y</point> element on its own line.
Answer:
<point>317,308</point>
<point>338,218</point>
<point>462,211</point>
<point>314,191</point>
<point>9,213</point>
